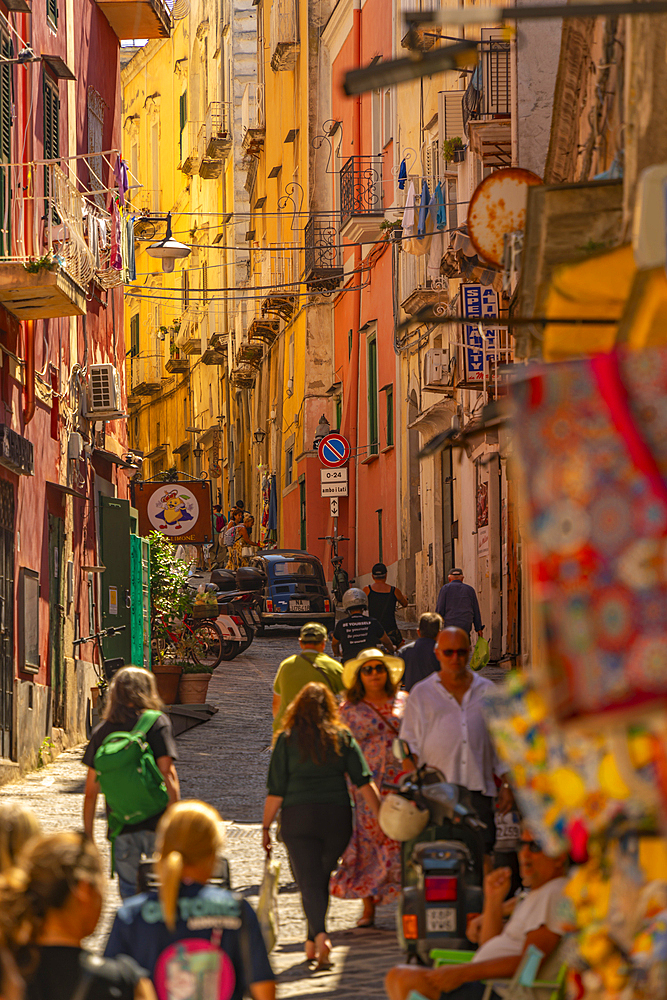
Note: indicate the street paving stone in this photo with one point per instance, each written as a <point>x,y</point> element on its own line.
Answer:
<point>225,762</point>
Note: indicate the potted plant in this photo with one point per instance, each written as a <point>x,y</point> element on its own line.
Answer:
<point>169,598</point>
<point>194,683</point>
<point>453,150</point>
<point>391,230</point>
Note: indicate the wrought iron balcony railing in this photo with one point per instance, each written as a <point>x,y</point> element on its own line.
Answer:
<point>488,94</point>
<point>323,264</point>
<point>284,34</point>
<point>361,187</point>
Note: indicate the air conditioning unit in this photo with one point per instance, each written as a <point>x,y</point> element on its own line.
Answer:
<point>437,374</point>
<point>103,393</point>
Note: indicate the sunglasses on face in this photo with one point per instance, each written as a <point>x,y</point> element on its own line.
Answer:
<point>455,652</point>
<point>374,668</point>
<point>533,846</point>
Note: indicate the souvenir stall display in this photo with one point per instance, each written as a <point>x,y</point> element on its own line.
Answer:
<point>586,736</point>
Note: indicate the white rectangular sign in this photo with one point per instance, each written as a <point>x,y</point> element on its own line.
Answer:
<point>333,490</point>
<point>333,475</point>
<point>333,506</point>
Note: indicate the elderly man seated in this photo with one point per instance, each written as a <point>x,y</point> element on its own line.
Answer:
<point>534,921</point>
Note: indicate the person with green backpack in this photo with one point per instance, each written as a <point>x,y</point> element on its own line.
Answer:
<point>130,760</point>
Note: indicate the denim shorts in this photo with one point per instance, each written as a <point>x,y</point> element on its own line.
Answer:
<point>128,851</point>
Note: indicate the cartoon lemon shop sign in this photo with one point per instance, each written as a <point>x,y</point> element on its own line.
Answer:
<point>173,510</point>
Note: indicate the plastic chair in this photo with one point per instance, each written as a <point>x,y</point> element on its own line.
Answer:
<point>522,986</point>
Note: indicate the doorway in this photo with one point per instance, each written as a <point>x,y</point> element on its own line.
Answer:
<point>6,619</point>
<point>56,617</point>
<point>447,507</point>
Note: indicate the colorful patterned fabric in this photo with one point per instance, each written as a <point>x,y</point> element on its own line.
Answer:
<point>371,865</point>
<point>593,439</point>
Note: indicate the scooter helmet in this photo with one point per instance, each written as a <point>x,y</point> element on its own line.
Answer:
<point>401,819</point>
<point>354,598</point>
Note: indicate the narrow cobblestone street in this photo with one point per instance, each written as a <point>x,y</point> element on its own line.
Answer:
<point>225,762</point>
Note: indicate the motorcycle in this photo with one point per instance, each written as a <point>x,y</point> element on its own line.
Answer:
<point>442,859</point>
<point>238,615</point>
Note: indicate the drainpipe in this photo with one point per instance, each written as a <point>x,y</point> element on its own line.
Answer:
<point>351,404</point>
<point>29,400</point>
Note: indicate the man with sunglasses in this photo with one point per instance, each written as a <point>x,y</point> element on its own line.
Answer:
<point>535,920</point>
<point>445,727</point>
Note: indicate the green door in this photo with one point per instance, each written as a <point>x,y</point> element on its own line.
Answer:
<point>116,581</point>
<point>140,609</point>
<point>57,616</point>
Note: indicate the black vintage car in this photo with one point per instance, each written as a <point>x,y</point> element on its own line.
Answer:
<point>295,591</point>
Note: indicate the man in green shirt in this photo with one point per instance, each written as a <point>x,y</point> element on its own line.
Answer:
<point>311,664</point>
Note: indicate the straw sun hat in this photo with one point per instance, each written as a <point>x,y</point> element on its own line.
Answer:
<point>394,664</point>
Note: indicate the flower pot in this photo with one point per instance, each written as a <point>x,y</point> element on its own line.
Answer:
<point>167,676</point>
<point>193,688</point>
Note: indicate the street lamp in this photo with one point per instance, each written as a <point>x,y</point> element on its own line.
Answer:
<point>323,429</point>
<point>259,435</point>
<point>168,249</point>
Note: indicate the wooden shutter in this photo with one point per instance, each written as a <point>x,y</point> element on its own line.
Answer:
<point>5,147</point>
<point>51,121</point>
<point>450,115</point>
<point>183,117</point>
<point>134,335</point>
<point>52,12</point>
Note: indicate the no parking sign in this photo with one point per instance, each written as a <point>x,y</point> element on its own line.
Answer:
<point>333,450</point>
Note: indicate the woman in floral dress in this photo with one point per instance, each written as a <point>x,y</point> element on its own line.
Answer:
<point>370,869</point>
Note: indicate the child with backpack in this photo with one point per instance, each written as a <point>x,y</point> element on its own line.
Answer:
<point>195,940</point>
<point>130,760</point>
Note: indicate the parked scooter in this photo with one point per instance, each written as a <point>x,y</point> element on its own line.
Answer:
<point>442,859</point>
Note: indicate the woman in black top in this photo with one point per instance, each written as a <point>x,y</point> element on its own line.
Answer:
<point>313,754</point>
<point>54,899</point>
<point>382,601</point>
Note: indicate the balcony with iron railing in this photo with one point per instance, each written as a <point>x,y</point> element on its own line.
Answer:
<point>146,373</point>
<point>361,198</point>
<point>419,289</point>
<point>284,25</point>
<point>191,147</point>
<point>280,289</point>
<point>323,264</point>
<point>215,139</point>
<point>253,123</point>
<point>138,18</point>
<point>487,104</point>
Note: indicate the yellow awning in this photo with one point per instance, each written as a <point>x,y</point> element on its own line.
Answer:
<point>595,288</point>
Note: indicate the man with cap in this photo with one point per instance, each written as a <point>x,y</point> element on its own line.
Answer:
<point>458,605</point>
<point>311,664</point>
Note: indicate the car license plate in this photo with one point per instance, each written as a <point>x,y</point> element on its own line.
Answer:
<point>441,919</point>
<point>299,605</point>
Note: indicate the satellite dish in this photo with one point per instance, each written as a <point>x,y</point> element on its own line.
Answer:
<point>180,9</point>
<point>497,208</point>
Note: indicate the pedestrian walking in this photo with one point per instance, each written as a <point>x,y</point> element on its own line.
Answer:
<point>357,630</point>
<point>444,726</point>
<point>54,899</point>
<point>132,699</point>
<point>370,868</point>
<point>457,604</point>
<point>219,552</point>
<point>196,940</point>
<point>311,664</point>
<point>419,657</point>
<point>382,601</point>
<point>18,825</point>
<point>313,754</point>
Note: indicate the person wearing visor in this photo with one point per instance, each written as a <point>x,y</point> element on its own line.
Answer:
<point>444,726</point>
<point>535,920</point>
<point>311,664</point>
<point>370,869</point>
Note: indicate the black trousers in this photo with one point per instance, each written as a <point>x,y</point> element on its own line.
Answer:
<point>315,836</point>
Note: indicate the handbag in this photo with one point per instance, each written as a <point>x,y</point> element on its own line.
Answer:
<point>247,552</point>
<point>480,654</point>
<point>267,906</point>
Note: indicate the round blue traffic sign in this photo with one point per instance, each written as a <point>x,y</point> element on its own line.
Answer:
<point>333,450</point>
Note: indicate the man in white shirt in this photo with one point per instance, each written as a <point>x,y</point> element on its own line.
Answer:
<point>444,727</point>
<point>535,921</point>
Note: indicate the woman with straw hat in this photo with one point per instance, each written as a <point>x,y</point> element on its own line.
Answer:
<point>370,869</point>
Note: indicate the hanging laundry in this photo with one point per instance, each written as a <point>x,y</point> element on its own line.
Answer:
<point>131,262</point>
<point>120,173</point>
<point>273,504</point>
<point>402,175</point>
<point>435,256</point>
<point>423,208</point>
<point>266,499</point>
<point>409,213</point>
<point>116,260</point>
<point>123,248</point>
<point>440,208</point>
